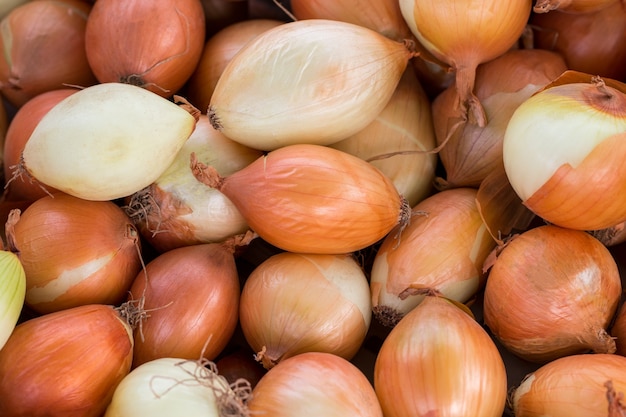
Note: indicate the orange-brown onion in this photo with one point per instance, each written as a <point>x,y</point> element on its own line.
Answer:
<point>221,13</point>
<point>155,45</point>
<point>618,330</point>
<point>218,50</point>
<point>313,199</point>
<point>20,128</point>
<point>442,250</point>
<point>240,364</point>
<point>192,296</point>
<point>438,361</point>
<point>74,252</point>
<point>572,6</point>
<point>314,383</point>
<point>177,210</point>
<point>400,140</point>
<point>470,152</point>
<point>65,364</point>
<point>552,292</point>
<point>593,43</point>
<point>43,49</point>
<point>572,386</point>
<point>293,303</point>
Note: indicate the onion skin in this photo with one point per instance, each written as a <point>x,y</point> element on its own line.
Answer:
<point>438,361</point>
<point>313,199</point>
<point>103,243</point>
<point>618,330</point>
<point>552,292</point>
<point>572,386</point>
<point>320,383</point>
<point>572,6</point>
<point>66,363</point>
<point>162,42</point>
<point>43,49</point>
<point>192,295</point>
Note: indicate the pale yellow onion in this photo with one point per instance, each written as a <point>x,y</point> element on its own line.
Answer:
<point>106,141</point>
<point>399,140</point>
<point>442,250</point>
<point>573,386</point>
<point>309,81</point>
<point>177,210</point>
<point>563,152</point>
<point>314,384</point>
<point>572,6</point>
<point>293,303</point>
<point>552,292</point>
<point>12,293</point>
<point>470,152</point>
<point>465,34</point>
<point>438,361</point>
<point>7,5</point>
<point>167,387</point>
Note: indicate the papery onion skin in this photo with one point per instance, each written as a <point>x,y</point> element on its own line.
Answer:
<point>552,292</point>
<point>43,49</point>
<point>442,250</point>
<point>314,383</point>
<point>102,243</point>
<point>65,364</point>
<point>572,6</point>
<point>106,141</point>
<point>314,199</point>
<point>295,303</point>
<point>192,293</point>
<point>154,45</point>
<point>572,386</point>
<point>12,292</point>
<point>438,361</point>
<point>563,153</point>
<point>310,81</point>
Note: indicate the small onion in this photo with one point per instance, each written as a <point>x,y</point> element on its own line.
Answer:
<point>573,386</point>
<point>312,199</point>
<point>314,384</point>
<point>12,292</point>
<point>103,244</point>
<point>442,250</point>
<point>618,330</point>
<point>309,81</point>
<point>177,210</point>
<point>294,303</point>
<point>465,34</point>
<point>65,364</point>
<point>106,141</point>
<point>43,49</point>
<point>438,361</point>
<point>155,45</point>
<point>192,296</point>
<point>552,292</point>
<point>240,364</point>
<point>563,152</point>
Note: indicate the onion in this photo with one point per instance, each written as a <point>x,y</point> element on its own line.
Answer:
<point>309,81</point>
<point>106,141</point>
<point>66,363</point>
<point>222,13</point>
<point>103,243</point>
<point>592,43</point>
<point>21,127</point>
<point>312,199</point>
<point>43,49</point>
<point>572,6</point>
<point>399,140</point>
<point>218,51</point>
<point>470,152</point>
<point>177,210</point>
<point>8,5</point>
<point>573,386</point>
<point>314,383</point>
<point>240,364</point>
<point>162,42</point>
<point>465,34</point>
<point>618,330</point>
<point>564,149</point>
<point>552,292</point>
<point>294,303</point>
<point>167,386</point>
<point>12,291</point>
<point>438,361</point>
<point>192,296</point>
<point>442,250</point>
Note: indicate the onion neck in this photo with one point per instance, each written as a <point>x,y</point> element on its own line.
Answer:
<point>605,98</point>
<point>601,342</point>
<point>469,104</point>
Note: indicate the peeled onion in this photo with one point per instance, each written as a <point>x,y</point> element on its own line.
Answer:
<point>12,291</point>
